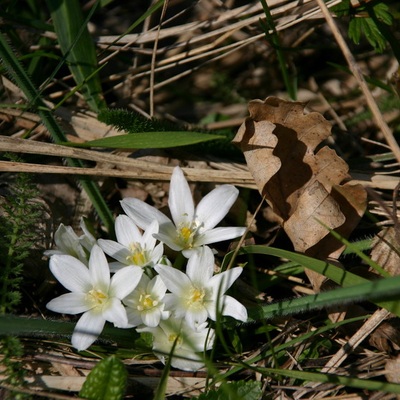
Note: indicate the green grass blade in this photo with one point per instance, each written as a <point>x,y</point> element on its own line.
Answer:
<point>40,328</point>
<point>334,379</point>
<point>376,291</point>
<point>290,81</point>
<point>249,364</point>
<point>20,77</point>
<point>78,48</point>
<point>336,274</point>
<point>358,252</point>
<point>150,140</point>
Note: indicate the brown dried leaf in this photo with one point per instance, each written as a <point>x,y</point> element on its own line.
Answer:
<point>302,186</point>
<point>386,250</point>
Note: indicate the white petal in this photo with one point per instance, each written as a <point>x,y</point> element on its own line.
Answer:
<point>142,213</point>
<point>200,340</point>
<point>87,240</point>
<point>173,303</point>
<point>156,287</point>
<point>168,240</point>
<point>223,281</point>
<point>219,235</point>
<point>196,317</point>
<point>200,266</point>
<point>99,270</point>
<point>71,273</point>
<point>134,317</point>
<point>234,309</point>
<point>65,238</point>
<point>69,303</point>
<point>215,205</point>
<point>148,239</point>
<point>115,312</point>
<point>180,198</point>
<point>187,361</point>
<point>115,250</point>
<point>125,281</point>
<point>152,317</point>
<point>87,330</point>
<point>157,253</point>
<point>175,280</point>
<point>126,231</point>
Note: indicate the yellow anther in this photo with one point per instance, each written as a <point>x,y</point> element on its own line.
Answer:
<point>138,255</point>
<point>146,302</point>
<point>97,297</point>
<point>196,295</point>
<point>186,233</point>
<point>172,337</point>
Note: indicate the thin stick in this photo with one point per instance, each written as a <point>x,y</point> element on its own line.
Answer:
<point>355,69</point>
<point>334,362</point>
<point>153,58</point>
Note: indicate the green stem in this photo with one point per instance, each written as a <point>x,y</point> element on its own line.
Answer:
<point>275,42</point>
<point>19,75</point>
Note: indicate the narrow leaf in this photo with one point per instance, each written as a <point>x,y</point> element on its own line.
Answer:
<point>335,379</point>
<point>78,48</point>
<point>387,287</point>
<point>150,140</point>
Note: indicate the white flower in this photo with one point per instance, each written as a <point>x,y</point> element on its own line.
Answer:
<point>92,293</point>
<point>196,294</point>
<point>132,248</point>
<point>87,240</point>
<point>192,227</point>
<point>68,242</point>
<point>144,304</point>
<point>189,343</point>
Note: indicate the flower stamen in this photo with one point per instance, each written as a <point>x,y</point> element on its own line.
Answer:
<point>186,234</point>
<point>196,296</point>
<point>97,297</point>
<point>138,256</point>
<point>146,302</point>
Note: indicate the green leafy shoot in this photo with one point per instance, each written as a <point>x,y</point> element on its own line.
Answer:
<point>106,381</point>
<point>20,215</point>
<point>145,133</point>
<point>13,372</point>
<point>133,122</point>
<point>365,21</point>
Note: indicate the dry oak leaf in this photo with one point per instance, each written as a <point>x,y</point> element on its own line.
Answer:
<point>302,186</point>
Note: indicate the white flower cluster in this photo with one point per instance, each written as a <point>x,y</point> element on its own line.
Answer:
<point>140,288</point>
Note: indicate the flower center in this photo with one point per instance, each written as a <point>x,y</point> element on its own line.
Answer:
<point>138,256</point>
<point>186,234</point>
<point>196,295</point>
<point>173,336</point>
<point>97,297</point>
<point>146,302</point>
